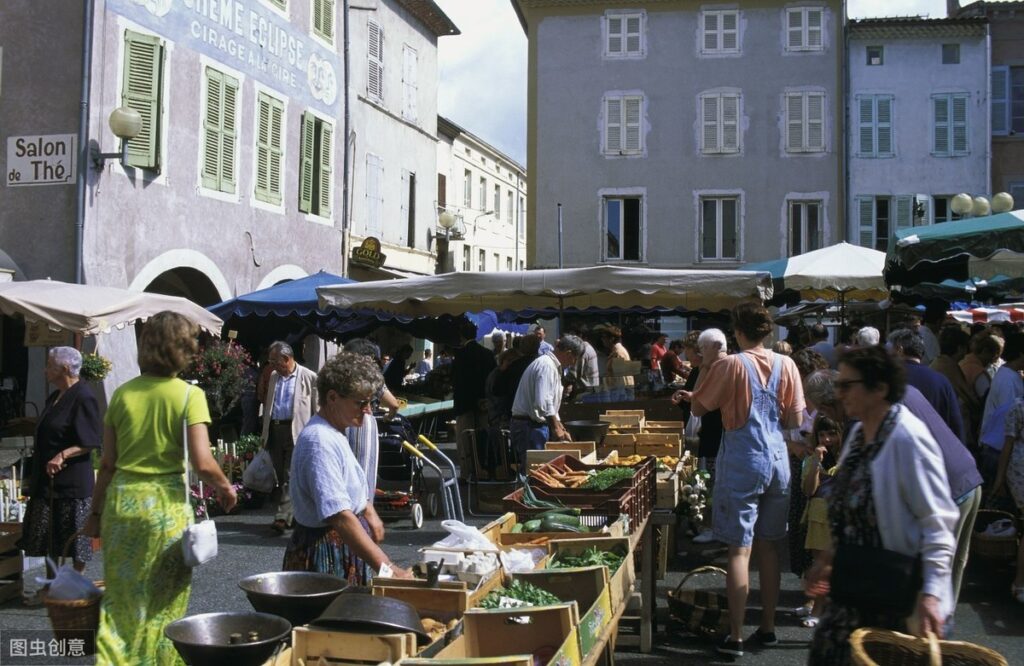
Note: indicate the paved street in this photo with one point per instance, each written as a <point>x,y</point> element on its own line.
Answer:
<point>986,614</point>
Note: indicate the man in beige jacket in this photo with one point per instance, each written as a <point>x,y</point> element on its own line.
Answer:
<point>290,402</point>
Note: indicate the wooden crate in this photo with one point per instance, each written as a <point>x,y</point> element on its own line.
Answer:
<point>12,564</point>
<point>675,426</point>
<point>498,632</point>
<point>625,444</point>
<point>667,490</point>
<point>311,647</point>
<point>589,587</point>
<point>621,581</point>
<point>623,412</point>
<point>623,422</point>
<point>499,531</point>
<point>585,451</point>
<point>652,444</point>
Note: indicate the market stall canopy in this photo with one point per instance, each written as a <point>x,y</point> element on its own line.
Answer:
<point>851,270</point>
<point>90,309</point>
<point>568,288</point>
<point>975,248</point>
<point>294,297</point>
<point>986,315</point>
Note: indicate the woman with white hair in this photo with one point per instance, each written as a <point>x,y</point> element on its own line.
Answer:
<point>62,478</point>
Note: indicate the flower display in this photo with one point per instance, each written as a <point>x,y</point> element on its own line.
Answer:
<point>95,367</point>
<point>224,370</point>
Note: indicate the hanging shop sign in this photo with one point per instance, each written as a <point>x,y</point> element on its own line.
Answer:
<point>368,253</point>
<point>41,160</point>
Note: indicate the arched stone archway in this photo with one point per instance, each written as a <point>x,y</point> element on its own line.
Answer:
<point>185,282</point>
<point>185,273</point>
<point>281,274</point>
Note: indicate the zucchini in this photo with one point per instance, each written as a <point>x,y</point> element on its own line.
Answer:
<point>530,525</point>
<point>562,519</point>
<point>517,528</point>
<point>549,525</point>
<point>563,511</point>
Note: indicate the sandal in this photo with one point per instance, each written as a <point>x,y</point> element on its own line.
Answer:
<point>1018,592</point>
<point>810,622</point>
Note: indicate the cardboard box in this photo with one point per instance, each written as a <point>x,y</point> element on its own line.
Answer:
<point>589,588</point>
<point>621,581</point>
<point>342,648</point>
<point>527,630</point>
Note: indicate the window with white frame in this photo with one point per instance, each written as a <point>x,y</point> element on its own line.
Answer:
<point>943,206</point>
<point>497,200</point>
<point>374,195</point>
<point>804,28</point>
<point>220,133</point>
<point>482,260</point>
<point>719,228</point>
<point>375,62</point>
<point>949,124</point>
<point>410,88</point>
<point>624,35</point>
<point>467,254</point>
<point>720,31</point>
<point>875,56</point>
<point>720,123</point>
<point>879,217</point>
<point>483,193</point>
<point>874,122</point>
<point>508,263</point>
<point>522,216</point>
<point>805,227</point>
<point>805,122</point>
<point>622,119</point>
<point>1007,99</point>
<point>623,228</point>
<point>508,206</point>
<point>323,19</point>
<point>467,188</point>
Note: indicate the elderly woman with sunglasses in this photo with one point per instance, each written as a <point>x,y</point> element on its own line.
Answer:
<point>892,517</point>
<point>336,527</point>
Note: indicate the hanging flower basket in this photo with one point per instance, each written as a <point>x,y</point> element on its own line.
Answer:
<point>95,368</point>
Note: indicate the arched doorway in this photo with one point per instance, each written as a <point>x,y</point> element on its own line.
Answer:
<point>185,282</point>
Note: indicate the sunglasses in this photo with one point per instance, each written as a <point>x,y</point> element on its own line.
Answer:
<point>362,404</point>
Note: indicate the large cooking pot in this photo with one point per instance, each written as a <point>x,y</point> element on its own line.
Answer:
<point>587,431</point>
<point>297,596</point>
<point>204,640</point>
<point>371,614</point>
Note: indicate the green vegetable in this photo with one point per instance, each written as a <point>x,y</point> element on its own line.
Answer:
<point>517,528</point>
<point>532,501</point>
<point>565,510</point>
<point>588,558</point>
<point>522,591</point>
<point>561,519</point>
<point>607,478</point>
<point>531,525</point>
<point>550,525</point>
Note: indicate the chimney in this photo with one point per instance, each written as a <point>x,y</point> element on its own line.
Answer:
<point>952,8</point>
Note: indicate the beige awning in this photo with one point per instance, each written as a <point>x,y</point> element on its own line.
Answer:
<point>89,309</point>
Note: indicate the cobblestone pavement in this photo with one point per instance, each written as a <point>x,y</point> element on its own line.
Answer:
<point>986,614</point>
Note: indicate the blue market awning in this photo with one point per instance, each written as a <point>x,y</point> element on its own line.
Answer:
<point>295,297</point>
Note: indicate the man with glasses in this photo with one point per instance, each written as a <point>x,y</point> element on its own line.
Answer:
<point>535,409</point>
<point>290,401</point>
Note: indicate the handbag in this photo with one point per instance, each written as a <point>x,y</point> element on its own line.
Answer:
<point>875,579</point>
<point>199,541</point>
<point>259,475</point>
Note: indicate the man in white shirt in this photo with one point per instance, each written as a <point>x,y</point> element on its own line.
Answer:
<point>535,409</point>
<point>1007,386</point>
<point>426,364</point>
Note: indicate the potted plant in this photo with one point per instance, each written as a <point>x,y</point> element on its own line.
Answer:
<point>222,368</point>
<point>95,368</point>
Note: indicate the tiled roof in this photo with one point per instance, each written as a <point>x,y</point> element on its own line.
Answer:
<point>982,8</point>
<point>898,27</point>
<point>431,15</point>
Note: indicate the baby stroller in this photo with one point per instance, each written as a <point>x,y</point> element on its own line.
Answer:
<point>402,490</point>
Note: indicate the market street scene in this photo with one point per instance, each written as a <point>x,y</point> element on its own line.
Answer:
<point>511,332</point>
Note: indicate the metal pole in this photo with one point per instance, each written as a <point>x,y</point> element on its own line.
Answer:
<point>83,140</point>
<point>560,235</point>
<point>345,163</point>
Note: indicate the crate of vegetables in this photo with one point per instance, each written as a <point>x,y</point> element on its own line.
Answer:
<point>610,552</point>
<point>572,480</point>
<point>581,513</point>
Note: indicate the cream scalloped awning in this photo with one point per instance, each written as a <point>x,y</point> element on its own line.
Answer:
<point>89,309</point>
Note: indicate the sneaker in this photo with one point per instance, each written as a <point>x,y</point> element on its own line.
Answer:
<point>763,638</point>
<point>730,647</point>
<point>705,536</point>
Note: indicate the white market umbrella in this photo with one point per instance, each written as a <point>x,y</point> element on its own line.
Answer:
<point>601,287</point>
<point>850,270</point>
<point>90,309</point>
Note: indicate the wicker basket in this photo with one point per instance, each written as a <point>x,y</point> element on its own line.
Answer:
<point>75,618</point>
<point>701,612</point>
<point>881,647</point>
<point>998,548</point>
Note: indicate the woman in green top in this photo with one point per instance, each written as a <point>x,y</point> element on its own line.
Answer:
<point>138,502</point>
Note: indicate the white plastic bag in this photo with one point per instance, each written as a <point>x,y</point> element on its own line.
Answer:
<point>260,475</point>
<point>692,426</point>
<point>69,585</point>
<point>521,559</point>
<point>464,537</point>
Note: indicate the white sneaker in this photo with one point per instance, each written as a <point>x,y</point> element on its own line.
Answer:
<point>705,536</point>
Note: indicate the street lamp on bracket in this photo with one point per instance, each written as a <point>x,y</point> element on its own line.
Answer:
<point>126,124</point>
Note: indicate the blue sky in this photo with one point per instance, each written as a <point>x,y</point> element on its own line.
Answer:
<point>483,70</point>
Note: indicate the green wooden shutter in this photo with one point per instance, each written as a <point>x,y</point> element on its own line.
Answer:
<point>306,163</point>
<point>140,90</point>
<point>268,149</point>
<point>326,142</point>
<point>323,19</point>
<point>866,221</point>
<point>866,126</point>
<point>276,150</point>
<point>229,135</point>
<point>211,168</point>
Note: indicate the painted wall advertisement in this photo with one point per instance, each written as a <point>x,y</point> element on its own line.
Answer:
<point>249,36</point>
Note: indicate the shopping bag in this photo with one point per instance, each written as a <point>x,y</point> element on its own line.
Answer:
<point>260,475</point>
<point>199,543</point>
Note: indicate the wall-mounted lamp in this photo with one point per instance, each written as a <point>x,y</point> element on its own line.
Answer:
<point>125,123</point>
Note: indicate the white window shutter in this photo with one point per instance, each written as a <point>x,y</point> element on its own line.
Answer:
<point>1000,99</point>
<point>940,117</point>
<point>375,64</point>
<point>904,214</point>
<point>815,121</point>
<point>866,126</point>
<point>866,221</point>
<point>795,28</point>
<point>959,124</point>
<point>730,31</point>
<point>615,34</point>
<point>730,123</point>
<point>814,28</point>
<point>633,34</point>
<point>632,124</point>
<point>710,124</point>
<point>410,88</point>
<point>710,31</point>
<point>884,122</point>
<point>794,122</point>
<point>613,125</point>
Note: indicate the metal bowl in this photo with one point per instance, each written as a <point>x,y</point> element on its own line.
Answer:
<point>297,596</point>
<point>587,431</point>
<point>203,640</point>
<point>371,614</point>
